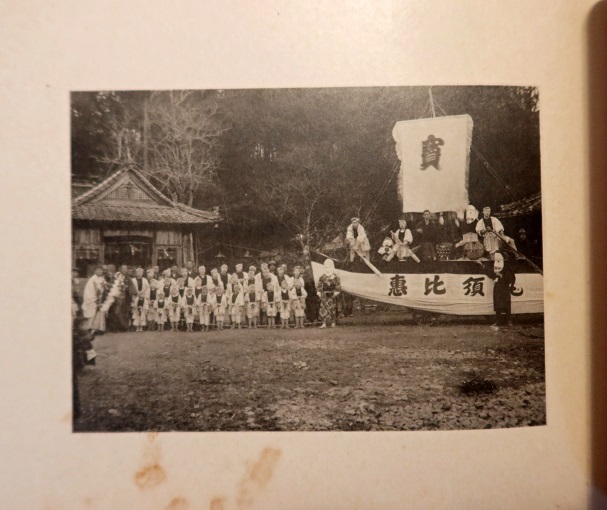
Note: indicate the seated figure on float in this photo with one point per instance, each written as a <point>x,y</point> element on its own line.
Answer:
<point>473,249</point>
<point>492,231</point>
<point>401,239</point>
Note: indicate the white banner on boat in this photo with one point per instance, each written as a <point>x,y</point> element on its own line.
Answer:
<point>455,294</point>
<point>435,156</point>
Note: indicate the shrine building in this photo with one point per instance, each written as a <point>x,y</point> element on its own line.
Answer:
<point>126,220</point>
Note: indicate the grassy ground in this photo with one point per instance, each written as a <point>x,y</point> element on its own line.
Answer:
<point>358,376</point>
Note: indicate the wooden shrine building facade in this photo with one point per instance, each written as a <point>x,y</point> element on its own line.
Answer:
<point>126,220</point>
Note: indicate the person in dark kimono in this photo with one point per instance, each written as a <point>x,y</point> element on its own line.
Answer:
<point>504,280</point>
<point>426,236</point>
<point>329,287</point>
<point>312,299</point>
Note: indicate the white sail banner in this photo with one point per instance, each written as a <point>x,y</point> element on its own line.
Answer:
<point>435,156</point>
<point>455,294</point>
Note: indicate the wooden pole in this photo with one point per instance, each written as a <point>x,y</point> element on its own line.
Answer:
<point>431,102</point>
<point>145,135</point>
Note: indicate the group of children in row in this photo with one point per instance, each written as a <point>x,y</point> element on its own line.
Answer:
<point>208,301</point>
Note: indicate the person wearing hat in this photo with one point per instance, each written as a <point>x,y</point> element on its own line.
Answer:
<point>492,231</point>
<point>357,239</point>
<point>240,274</point>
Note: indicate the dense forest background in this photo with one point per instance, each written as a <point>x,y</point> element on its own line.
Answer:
<point>289,167</point>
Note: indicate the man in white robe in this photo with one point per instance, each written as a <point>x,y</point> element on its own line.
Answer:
<point>491,229</point>
<point>357,239</point>
<point>91,300</point>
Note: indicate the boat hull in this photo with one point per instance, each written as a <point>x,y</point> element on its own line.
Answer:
<point>454,288</point>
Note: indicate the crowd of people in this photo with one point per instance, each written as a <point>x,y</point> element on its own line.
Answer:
<point>188,300</point>
<point>449,238</point>
<point>191,299</point>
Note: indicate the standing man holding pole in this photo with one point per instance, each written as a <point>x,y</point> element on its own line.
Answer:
<point>357,239</point>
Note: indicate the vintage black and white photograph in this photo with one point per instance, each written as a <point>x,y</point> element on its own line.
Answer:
<point>307,259</point>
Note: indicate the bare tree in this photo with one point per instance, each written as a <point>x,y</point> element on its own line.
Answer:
<point>177,145</point>
<point>184,133</point>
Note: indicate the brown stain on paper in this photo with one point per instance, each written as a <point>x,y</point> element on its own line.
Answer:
<point>217,504</point>
<point>152,474</point>
<point>257,477</point>
<point>178,503</point>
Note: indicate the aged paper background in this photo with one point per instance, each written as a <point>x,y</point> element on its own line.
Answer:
<point>50,48</point>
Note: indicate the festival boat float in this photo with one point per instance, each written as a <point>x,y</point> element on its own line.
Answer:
<point>434,156</point>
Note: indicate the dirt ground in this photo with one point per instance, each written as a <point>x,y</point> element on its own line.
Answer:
<point>370,373</point>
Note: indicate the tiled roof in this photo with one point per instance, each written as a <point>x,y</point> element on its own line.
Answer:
<point>149,214</point>
<point>91,206</point>
<point>521,207</point>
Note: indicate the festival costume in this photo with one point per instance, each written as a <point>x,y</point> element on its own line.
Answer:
<point>488,228</point>
<point>174,308</point>
<point>328,285</point>
<point>221,307</point>
<point>235,303</point>
<point>241,275</point>
<point>189,308</point>
<point>252,301</point>
<point>91,301</point>
<point>357,238</point>
<point>269,302</point>
<point>189,281</point>
<point>298,301</point>
<point>215,281</point>
<point>285,304</point>
<point>402,240</point>
<point>203,281</point>
<point>140,285</point>
<point>151,305</point>
<point>140,311</point>
<point>225,279</point>
<point>161,311</point>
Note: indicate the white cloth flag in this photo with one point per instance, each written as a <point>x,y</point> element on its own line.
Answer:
<point>434,155</point>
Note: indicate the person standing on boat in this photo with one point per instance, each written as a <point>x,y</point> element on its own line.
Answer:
<point>504,280</point>
<point>329,287</point>
<point>357,239</point>
<point>491,229</point>
<point>427,233</point>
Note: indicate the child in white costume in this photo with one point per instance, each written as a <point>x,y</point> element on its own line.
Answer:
<point>271,302</point>
<point>140,311</point>
<point>204,308</point>
<point>221,299</point>
<point>174,308</point>
<point>284,297</point>
<point>160,307</point>
<point>252,301</point>
<point>152,297</point>
<point>235,302</point>
<point>189,308</point>
<point>235,299</point>
<point>298,303</point>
